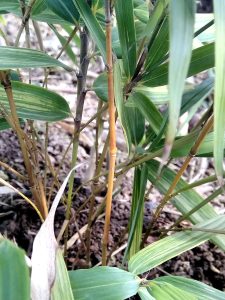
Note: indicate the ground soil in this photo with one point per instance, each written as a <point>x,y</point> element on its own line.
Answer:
<point>19,222</point>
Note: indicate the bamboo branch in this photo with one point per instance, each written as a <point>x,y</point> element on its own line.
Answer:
<point>24,145</point>
<point>206,128</point>
<point>196,208</point>
<point>81,93</point>
<point>112,130</point>
<point>24,20</point>
<point>10,169</point>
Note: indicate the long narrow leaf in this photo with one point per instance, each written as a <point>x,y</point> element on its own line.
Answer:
<point>202,59</point>
<point>36,103</point>
<point>164,290</point>
<point>14,272</point>
<point>199,289</point>
<point>63,41</point>
<point>10,5</point>
<point>92,24</point>
<point>125,21</point>
<point>219,102</point>
<point>185,201</point>
<point>137,211</point>
<point>118,89</point>
<point>131,119</point>
<point>135,124</point>
<point>15,58</point>
<point>61,288</point>
<point>157,15</point>
<point>181,19</point>
<point>144,294</point>
<point>171,246</point>
<point>159,47</point>
<point>103,283</point>
<point>65,9</point>
<point>5,125</point>
<point>148,110</point>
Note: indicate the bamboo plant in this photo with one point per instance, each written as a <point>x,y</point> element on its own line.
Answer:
<point>149,49</point>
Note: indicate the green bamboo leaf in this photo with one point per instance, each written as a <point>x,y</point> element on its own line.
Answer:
<point>183,144</point>
<point>100,87</point>
<point>184,201</point>
<point>173,245</point>
<point>63,41</point>
<point>65,9</point>
<point>138,2</point>
<point>97,5</point>
<point>13,58</point>
<point>199,289</point>
<point>93,26</point>
<point>135,124</point>
<point>137,211</point>
<point>131,119</point>
<point>181,16</point>
<point>45,14</point>
<point>145,294</point>
<point>192,95</point>
<point>118,89</point>
<point>159,47</point>
<point>61,288</point>
<point>14,273</point>
<point>139,28</point>
<point>199,93</point>
<point>125,22</point>
<point>148,110</point>
<point>157,95</point>
<point>103,283</point>
<point>38,7</point>
<point>155,19</point>
<point>205,149</point>
<point>116,43</point>
<point>202,59</point>
<point>10,5</point>
<point>13,6</point>
<point>5,125</point>
<point>36,103</point>
<point>163,290</point>
<point>141,12</point>
<point>219,102</point>
<point>208,35</point>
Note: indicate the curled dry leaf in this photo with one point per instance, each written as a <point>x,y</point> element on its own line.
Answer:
<point>44,252</point>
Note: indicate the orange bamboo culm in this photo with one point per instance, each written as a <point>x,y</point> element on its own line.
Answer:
<point>112,130</point>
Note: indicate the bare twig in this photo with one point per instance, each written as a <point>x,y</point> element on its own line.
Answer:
<point>81,93</point>
<point>25,146</point>
<point>206,128</point>
<point>25,19</point>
